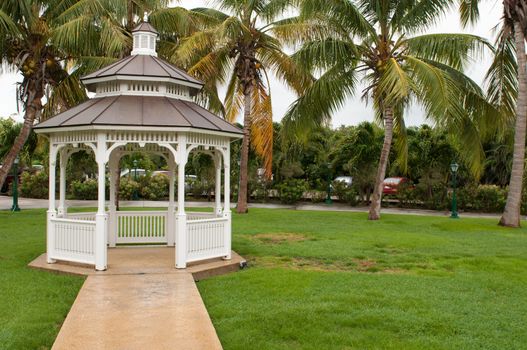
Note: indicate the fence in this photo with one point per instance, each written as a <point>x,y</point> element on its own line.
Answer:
<point>74,240</point>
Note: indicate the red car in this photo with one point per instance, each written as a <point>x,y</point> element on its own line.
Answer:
<point>391,184</point>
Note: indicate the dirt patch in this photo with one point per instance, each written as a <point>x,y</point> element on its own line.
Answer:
<point>314,264</point>
<point>279,238</point>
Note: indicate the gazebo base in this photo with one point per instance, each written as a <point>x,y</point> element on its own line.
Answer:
<point>143,260</point>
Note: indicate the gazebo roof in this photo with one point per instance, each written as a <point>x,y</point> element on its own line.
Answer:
<point>147,111</point>
<point>138,66</point>
<point>138,91</point>
<point>145,27</point>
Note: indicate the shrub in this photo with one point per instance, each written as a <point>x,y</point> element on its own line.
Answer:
<point>292,190</point>
<point>344,192</point>
<point>34,186</point>
<point>154,187</point>
<point>351,196</point>
<point>84,189</point>
<point>127,188</point>
<point>486,198</point>
<point>318,196</point>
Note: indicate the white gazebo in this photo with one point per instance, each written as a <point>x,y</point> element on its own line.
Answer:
<point>141,103</point>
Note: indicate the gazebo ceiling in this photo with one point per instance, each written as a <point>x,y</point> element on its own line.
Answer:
<point>148,111</point>
<point>141,66</point>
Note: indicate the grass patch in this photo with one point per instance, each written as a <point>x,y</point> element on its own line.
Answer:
<point>33,304</point>
<point>405,282</point>
<point>317,280</point>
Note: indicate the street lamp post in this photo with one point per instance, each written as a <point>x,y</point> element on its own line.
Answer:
<point>136,195</point>
<point>328,197</point>
<point>15,206</point>
<point>454,167</point>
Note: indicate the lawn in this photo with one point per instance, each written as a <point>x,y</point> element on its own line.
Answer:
<point>336,281</point>
<point>317,280</point>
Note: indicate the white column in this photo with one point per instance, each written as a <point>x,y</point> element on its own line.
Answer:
<point>112,218</point>
<point>181,217</point>
<point>52,213</point>
<point>171,218</point>
<point>62,188</point>
<point>101,217</point>
<point>227,208</point>
<point>217,190</point>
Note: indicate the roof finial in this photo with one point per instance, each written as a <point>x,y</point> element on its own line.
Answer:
<point>145,17</point>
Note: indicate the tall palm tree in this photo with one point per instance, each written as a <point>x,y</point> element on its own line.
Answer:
<point>378,43</point>
<point>34,41</point>
<point>507,82</point>
<point>238,48</point>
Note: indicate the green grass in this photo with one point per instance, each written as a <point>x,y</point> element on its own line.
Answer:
<point>33,304</point>
<point>317,280</point>
<point>336,281</point>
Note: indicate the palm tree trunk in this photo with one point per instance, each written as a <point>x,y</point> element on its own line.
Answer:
<point>375,207</point>
<point>511,214</point>
<point>33,108</point>
<point>242,208</point>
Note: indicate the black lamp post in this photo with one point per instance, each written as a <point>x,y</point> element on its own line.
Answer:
<point>135,195</point>
<point>454,167</point>
<point>328,197</point>
<point>15,206</point>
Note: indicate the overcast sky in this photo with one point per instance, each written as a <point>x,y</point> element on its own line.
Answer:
<point>355,110</point>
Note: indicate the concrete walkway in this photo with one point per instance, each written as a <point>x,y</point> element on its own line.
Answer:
<point>5,204</point>
<point>155,311</point>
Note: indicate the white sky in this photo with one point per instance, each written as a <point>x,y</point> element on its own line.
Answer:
<point>355,110</point>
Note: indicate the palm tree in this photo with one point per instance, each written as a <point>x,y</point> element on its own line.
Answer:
<point>238,48</point>
<point>378,43</point>
<point>507,89</point>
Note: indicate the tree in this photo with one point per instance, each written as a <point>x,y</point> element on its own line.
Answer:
<point>374,40</point>
<point>238,48</point>
<point>507,90</point>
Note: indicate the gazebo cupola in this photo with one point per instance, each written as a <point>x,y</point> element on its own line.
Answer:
<point>145,39</point>
<point>141,103</point>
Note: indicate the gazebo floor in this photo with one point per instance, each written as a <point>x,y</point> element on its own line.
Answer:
<point>144,260</point>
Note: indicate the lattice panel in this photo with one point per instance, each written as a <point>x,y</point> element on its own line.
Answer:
<point>207,140</point>
<point>139,136</point>
<point>74,137</point>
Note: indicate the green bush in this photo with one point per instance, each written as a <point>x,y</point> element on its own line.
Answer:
<point>344,192</point>
<point>34,185</point>
<point>154,187</point>
<point>127,188</point>
<point>351,196</point>
<point>291,190</point>
<point>485,198</point>
<point>318,196</point>
<point>84,189</point>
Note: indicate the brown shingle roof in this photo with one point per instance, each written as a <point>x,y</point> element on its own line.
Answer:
<point>147,111</point>
<point>141,66</point>
<point>145,27</point>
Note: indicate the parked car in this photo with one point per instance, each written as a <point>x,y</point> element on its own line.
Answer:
<point>131,173</point>
<point>392,184</point>
<point>348,180</point>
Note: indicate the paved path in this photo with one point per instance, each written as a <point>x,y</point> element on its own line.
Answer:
<point>6,202</point>
<point>129,312</point>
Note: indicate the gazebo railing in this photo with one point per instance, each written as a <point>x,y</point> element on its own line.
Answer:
<point>81,216</point>
<point>141,226</point>
<point>73,240</point>
<point>206,238</point>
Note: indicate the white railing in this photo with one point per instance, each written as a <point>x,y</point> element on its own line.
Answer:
<point>81,216</point>
<point>206,239</point>
<point>74,240</point>
<point>191,216</point>
<point>141,227</point>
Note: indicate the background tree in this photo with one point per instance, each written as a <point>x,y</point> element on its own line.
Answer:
<point>238,49</point>
<point>507,90</point>
<point>374,41</point>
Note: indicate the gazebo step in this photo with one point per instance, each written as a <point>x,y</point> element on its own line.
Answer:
<point>144,260</point>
